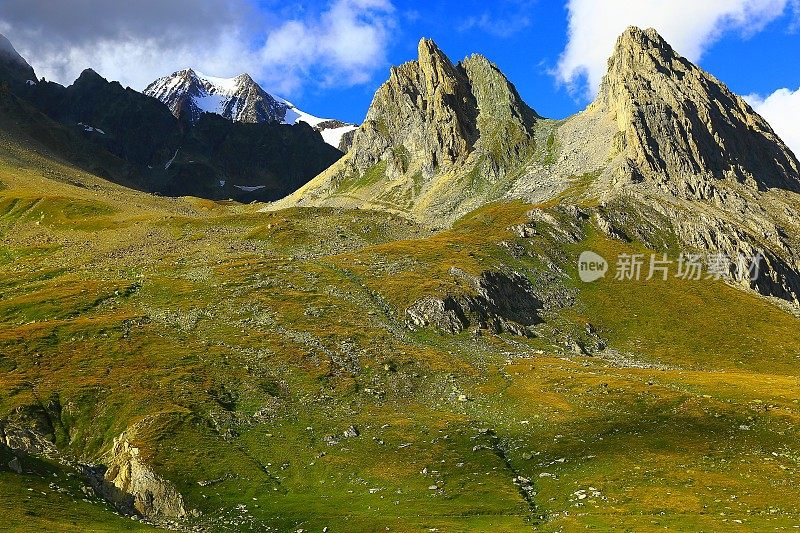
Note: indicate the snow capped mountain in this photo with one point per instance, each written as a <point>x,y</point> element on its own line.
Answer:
<point>240,99</point>
<point>189,93</point>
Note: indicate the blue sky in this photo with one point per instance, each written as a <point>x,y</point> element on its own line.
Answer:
<point>329,56</point>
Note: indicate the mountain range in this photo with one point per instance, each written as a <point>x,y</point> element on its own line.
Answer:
<point>146,147</point>
<point>400,337</point>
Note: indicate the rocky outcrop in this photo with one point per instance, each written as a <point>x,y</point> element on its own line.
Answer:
<point>29,430</point>
<point>133,487</point>
<point>123,479</point>
<point>500,302</point>
<point>346,141</point>
<point>445,314</point>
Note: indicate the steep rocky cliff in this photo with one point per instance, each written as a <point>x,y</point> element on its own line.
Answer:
<point>128,482</point>
<point>685,148</point>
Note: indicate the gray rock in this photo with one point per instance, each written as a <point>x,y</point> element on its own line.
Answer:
<point>15,465</point>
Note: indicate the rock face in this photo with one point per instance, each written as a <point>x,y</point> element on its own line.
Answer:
<point>425,111</point>
<point>681,127</point>
<point>133,487</point>
<point>434,134</point>
<point>498,302</point>
<point>124,480</point>
<point>688,151</point>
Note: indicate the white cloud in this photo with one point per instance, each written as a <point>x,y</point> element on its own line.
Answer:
<point>691,26</point>
<point>341,43</point>
<point>782,111</point>
<point>343,46</point>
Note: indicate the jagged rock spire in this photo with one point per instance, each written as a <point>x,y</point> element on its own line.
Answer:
<point>431,114</point>
<point>437,137</point>
<point>681,125</point>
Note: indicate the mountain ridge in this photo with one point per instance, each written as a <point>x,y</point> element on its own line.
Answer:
<point>151,150</point>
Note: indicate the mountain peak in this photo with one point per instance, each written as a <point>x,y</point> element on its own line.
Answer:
<point>682,127</point>
<point>427,48</point>
<point>189,93</point>
<point>435,137</point>
<point>641,52</point>
<point>644,38</point>
<point>245,78</point>
<point>89,73</point>
<point>436,67</point>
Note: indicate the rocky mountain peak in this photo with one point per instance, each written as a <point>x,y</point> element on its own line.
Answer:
<point>436,134</point>
<point>422,117</point>
<point>89,74</point>
<point>189,93</point>
<point>681,126</point>
<point>436,68</point>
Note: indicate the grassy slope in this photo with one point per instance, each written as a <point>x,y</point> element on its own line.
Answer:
<point>242,340</point>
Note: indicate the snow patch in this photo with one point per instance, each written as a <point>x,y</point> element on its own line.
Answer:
<point>169,163</point>
<point>333,136</point>
<point>210,103</point>
<point>222,85</point>
<point>90,129</point>
<point>250,189</point>
<point>294,115</point>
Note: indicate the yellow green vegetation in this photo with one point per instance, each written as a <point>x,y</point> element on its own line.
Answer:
<point>245,344</point>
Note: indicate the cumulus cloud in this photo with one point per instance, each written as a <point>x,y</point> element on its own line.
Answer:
<point>691,26</point>
<point>340,43</point>
<point>782,111</point>
<point>343,45</point>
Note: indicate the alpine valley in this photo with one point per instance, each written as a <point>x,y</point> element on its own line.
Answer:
<point>221,313</point>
